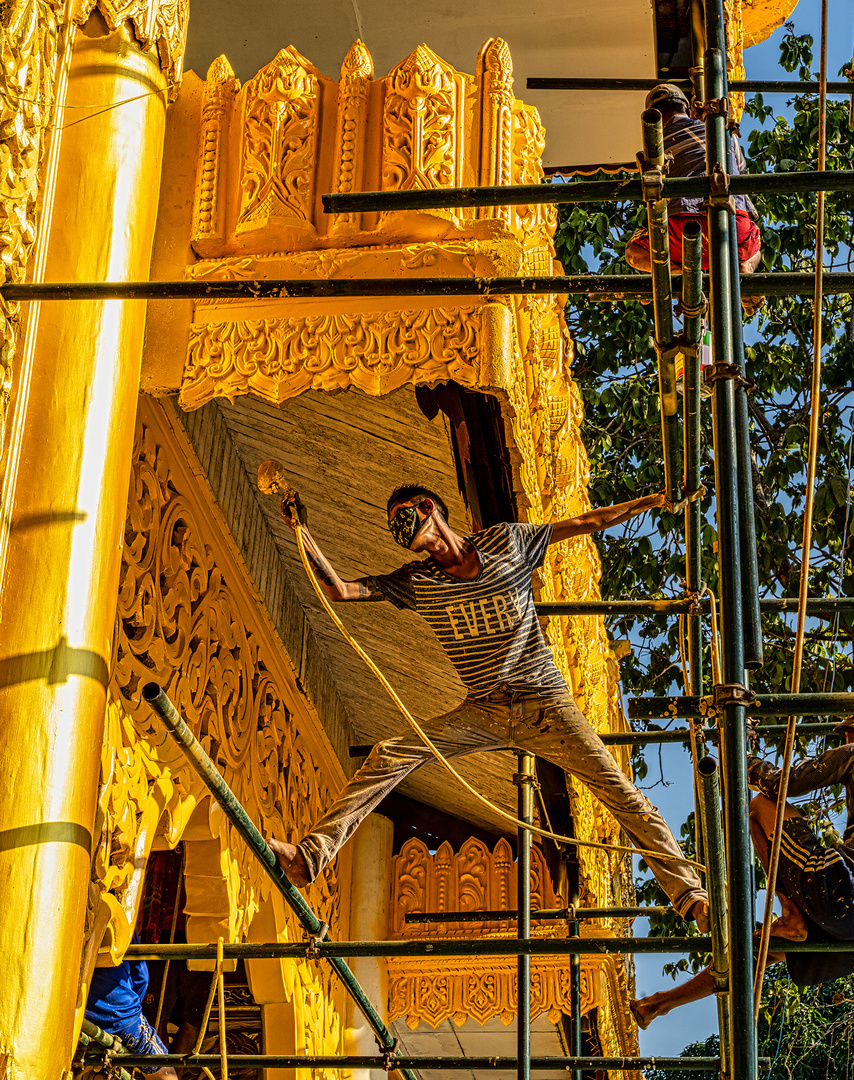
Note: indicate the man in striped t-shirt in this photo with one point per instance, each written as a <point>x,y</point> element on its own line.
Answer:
<point>476,595</point>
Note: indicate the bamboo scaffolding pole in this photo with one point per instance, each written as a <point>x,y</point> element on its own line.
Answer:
<point>662,307</point>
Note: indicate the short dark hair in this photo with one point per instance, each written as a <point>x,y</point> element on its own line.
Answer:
<point>409,491</point>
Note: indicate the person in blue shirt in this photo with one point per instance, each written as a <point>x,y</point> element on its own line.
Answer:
<point>115,1002</point>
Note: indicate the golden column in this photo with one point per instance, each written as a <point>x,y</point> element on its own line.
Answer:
<point>60,579</point>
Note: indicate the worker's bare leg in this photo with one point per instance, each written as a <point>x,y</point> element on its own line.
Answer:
<point>791,924</point>
<point>473,727</point>
<point>749,266</point>
<point>647,1009</point>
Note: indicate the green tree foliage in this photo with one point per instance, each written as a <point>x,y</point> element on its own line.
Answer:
<point>615,368</point>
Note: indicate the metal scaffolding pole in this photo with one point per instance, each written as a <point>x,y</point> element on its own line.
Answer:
<point>736,86</point>
<point>277,950</point>
<point>742,1033</point>
<point>681,187</point>
<point>671,708</point>
<point>524,780</point>
<point>710,812</point>
<point>456,1064</point>
<point>572,914</point>
<point>640,609</point>
<point>595,286</point>
<point>222,793</point>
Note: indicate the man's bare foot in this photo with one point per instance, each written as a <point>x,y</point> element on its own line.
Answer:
<point>700,915</point>
<point>292,861</point>
<point>639,1012</point>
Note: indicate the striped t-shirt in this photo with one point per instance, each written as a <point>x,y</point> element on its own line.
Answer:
<point>487,626</point>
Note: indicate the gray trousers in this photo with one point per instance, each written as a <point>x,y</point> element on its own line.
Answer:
<point>549,725</point>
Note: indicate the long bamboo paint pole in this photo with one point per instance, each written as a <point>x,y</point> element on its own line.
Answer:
<point>662,306</point>
<point>692,305</point>
<point>815,420</point>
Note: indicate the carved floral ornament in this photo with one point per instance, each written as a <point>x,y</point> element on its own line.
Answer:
<point>264,160</point>
<point>185,619</point>
<point>460,989</point>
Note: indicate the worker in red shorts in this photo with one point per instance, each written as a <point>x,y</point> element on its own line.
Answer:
<point>685,139</point>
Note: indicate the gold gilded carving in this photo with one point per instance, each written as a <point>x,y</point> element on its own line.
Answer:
<point>458,989</point>
<point>495,70</point>
<point>220,88</point>
<point>186,618</point>
<point>28,51</point>
<point>281,108</point>
<point>155,22</point>
<point>474,879</point>
<point>375,351</point>
<point>357,71</point>
<point>424,117</point>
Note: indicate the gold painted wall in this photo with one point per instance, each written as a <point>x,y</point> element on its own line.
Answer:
<point>189,618</point>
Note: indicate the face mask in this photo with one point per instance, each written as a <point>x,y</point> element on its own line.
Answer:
<point>405,524</point>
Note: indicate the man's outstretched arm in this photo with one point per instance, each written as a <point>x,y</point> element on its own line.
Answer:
<point>603,518</point>
<point>335,588</point>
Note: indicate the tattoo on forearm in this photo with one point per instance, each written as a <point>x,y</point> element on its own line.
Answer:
<point>367,591</point>
<point>324,571</point>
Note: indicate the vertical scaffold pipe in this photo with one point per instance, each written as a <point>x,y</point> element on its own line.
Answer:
<point>742,1035</point>
<point>525,780</point>
<point>575,1047</point>
<point>707,782</point>
<point>692,378</point>
<point>662,302</point>
<point>225,797</point>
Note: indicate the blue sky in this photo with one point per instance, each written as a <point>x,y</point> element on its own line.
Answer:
<point>670,1034</point>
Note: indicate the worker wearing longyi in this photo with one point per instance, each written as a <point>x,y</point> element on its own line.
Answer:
<point>685,140</point>
<point>815,881</point>
<point>476,595</point>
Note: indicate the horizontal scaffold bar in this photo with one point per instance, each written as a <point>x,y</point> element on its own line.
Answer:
<point>770,732</point>
<point>737,86</point>
<point>681,606</point>
<point>606,286</point>
<point>455,1064</point>
<point>276,950</point>
<point>584,191</point>
<point>658,708</point>
<point>568,913</point>
<point>452,947</point>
